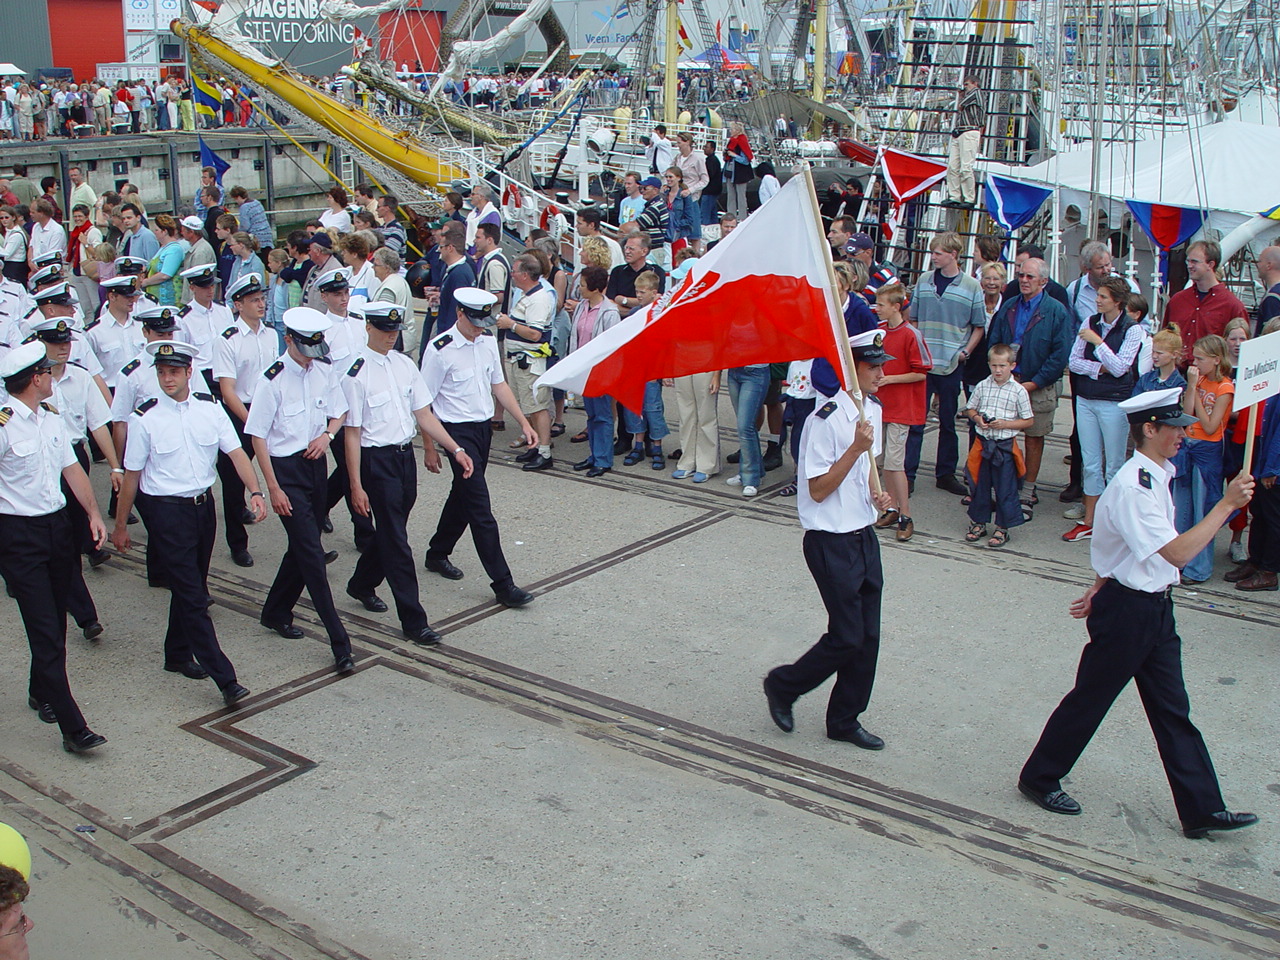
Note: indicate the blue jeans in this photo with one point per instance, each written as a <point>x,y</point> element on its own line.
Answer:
<point>708,208</point>
<point>947,389</point>
<point>1104,434</point>
<point>1196,488</point>
<point>653,419</point>
<point>600,430</point>
<point>747,389</point>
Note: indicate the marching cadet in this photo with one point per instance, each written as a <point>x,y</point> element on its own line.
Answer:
<point>298,408</point>
<point>386,401</point>
<point>37,549</point>
<point>170,462</point>
<point>112,336</point>
<point>241,351</point>
<point>201,320</point>
<point>838,512</point>
<point>1136,554</point>
<point>463,374</point>
<point>15,303</point>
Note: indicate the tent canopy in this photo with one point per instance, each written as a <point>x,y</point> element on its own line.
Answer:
<point>9,70</point>
<point>728,59</point>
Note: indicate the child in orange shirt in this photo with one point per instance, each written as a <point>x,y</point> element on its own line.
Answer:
<point>1198,484</point>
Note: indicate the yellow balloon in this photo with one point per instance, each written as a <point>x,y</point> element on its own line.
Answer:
<point>14,851</point>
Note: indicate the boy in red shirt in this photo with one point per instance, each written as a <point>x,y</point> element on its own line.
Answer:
<point>902,394</point>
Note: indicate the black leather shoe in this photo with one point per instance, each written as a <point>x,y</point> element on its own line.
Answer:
<point>233,693</point>
<point>621,446</point>
<point>242,558</point>
<point>286,630</point>
<point>92,630</point>
<point>859,736</point>
<point>246,516</point>
<point>372,602</point>
<point>344,663</point>
<point>1055,801</point>
<point>1071,493</point>
<point>583,465</point>
<point>539,463</point>
<point>952,485</point>
<point>598,471</point>
<point>779,712</point>
<point>734,457</point>
<point>133,518</point>
<point>158,583</point>
<point>1222,820</point>
<point>326,525</point>
<point>514,597</point>
<point>82,742</point>
<point>425,637</point>
<point>98,557</point>
<point>330,556</point>
<point>43,710</point>
<point>191,670</point>
<point>442,566</point>
<point>527,455</point>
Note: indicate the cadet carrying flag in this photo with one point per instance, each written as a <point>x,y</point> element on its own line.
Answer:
<point>210,159</point>
<point>1166,225</point>
<point>1012,203</point>
<point>207,97</point>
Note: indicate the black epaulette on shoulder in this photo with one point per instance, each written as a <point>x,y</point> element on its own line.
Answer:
<point>90,324</point>
<point>77,363</point>
<point>878,401</point>
<point>48,406</point>
<point>1144,478</point>
<point>230,332</point>
<point>144,406</point>
<point>827,409</point>
<point>442,341</point>
<point>185,310</point>
<point>324,359</point>
<point>273,371</point>
<point>131,366</point>
<point>31,338</point>
<point>30,313</point>
<point>355,367</point>
<point>205,396</point>
<point>5,414</point>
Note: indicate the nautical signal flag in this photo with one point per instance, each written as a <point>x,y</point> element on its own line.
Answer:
<point>1272,214</point>
<point>1013,203</point>
<point>1166,225</point>
<point>907,176</point>
<point>210,159</point>
<point>763,295</point>
<point>207,97</point>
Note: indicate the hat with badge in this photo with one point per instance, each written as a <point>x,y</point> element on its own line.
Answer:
<point>1158,406</point>
<point>335,281</point>
<point>202,275</point>
<point>192,223</point>
<point>306,327</point>
<point>250,283</point>
<point>29,357</point>
<point>59,294</point>
<point>53,330</point>
<point>50,274</point>
<point>476,305</point>
<point>859,241</point>
<point>384,315</point>
<point>125,285</point>
<point>172,353</point>
<point>158,318</point>
<point>869,347</point>
<point>131,266</point>
<point>50,258</point>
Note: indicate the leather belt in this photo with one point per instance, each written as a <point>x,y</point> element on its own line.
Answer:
<point>1166,593</point>
<point>197,501</point>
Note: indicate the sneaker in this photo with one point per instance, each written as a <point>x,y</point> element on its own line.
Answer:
<point>1074,512</point>
<point>700,477</point>
<point>1077,533</point>
<point>749,491</point>
<point>735,480</point>
<point>1238,552</point>
<point>906,529</point>
<point>681,474</point>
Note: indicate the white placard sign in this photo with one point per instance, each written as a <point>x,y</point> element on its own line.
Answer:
<point>1258,372</point>
<point>139,15</point>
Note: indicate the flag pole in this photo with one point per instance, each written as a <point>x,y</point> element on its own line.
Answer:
<point>1249,438</point>
<point>838,327</point>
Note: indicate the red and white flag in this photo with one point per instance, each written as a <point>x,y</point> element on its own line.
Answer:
<point>763,295</point>
<point>907,176</point>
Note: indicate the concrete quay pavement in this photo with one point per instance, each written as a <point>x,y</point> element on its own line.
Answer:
<point>596,776</point>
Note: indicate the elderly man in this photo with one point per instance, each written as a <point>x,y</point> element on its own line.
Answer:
<point>1096,265</point>
<point>1205,306</point>
<point>199,252</point>
<point>527,347</point>
<point>1029,251</point>
<point>622,280</point>
<point>653,220</point>
<point>1269,273</point>
<point>482,211</point>
<point>320,253</point>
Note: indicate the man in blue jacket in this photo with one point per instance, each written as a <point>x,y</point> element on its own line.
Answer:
<point>1040,329</point>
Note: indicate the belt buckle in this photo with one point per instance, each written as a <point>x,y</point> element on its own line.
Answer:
<point>200,498</point>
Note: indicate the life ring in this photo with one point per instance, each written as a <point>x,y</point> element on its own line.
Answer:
<point>511,200</point>
<point>549,211</point>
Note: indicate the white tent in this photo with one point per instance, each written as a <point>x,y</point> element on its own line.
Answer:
<point>10,70</point>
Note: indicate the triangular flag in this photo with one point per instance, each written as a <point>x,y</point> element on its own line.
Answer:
<point>1166,225</point>
<point>908,176</point>
<point>763,295</point>
<point>210,159</point>
<point>1012,203</point>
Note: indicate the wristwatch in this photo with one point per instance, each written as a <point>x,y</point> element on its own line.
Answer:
<point>330,435</point>
<point>458,451</point>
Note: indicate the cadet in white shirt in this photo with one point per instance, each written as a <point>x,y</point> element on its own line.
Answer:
<point>298,408</point>
<point>201,320</point>
<point>1137,553</point>
<point>112,336</point>
<point>37,550</point>
<point>463,374</point>
<point>387,404</point>
<point>838,512</point>
<point>170,463</point>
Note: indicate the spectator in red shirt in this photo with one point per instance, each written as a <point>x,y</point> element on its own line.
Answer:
<point>1204,307</point>
<point>902,395</point>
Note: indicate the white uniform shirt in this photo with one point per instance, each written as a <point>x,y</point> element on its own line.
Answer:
<point>346,338</point>
<point>80,402</point>
<point>460,374</point>
<point>199,327</point>
<point>292,405</point>
<point>383,392</point>
<point>113,343</point>
<point>1132,521</point>
<point>34,450</point>
<point>136,384</point>
<point>828,433</point>
<point>175,445</point>
<point>240,353</point>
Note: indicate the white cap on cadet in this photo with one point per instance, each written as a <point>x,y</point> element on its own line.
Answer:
<point>177,353</point>
<point>249,283</point>
<point>476,305</point>
<point>23,357</point>
<point>1157,406</point>
<point>305,327</point>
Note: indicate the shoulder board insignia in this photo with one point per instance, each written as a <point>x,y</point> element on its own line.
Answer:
<point>205,396</point>
<point>144,406</point>
<point>5,414</point>
<point>442,341</point>
<point>131,366</point>
<point>90,324</point>
<point>48,406</point>
<point>273,371</point>
<point>77,363</point>
<point>875,399</point>
<point>229,333</point>
<point>827,409</point>
<point>30,313</point>
<point>355,367</point>
<point>1144,478</point>
<point>31,338</point>
<point>185,310</point>
<point>324,359</point>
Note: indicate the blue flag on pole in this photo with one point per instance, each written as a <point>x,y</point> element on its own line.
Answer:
<point>1012,203</point>
<point>210,159</point>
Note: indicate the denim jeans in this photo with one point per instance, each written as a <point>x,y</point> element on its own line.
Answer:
<point>747,389</point>
<point>600,429</point>
<point>946,387</point>
<point>1196,488</point>
<point>708,208</point>
<point>1104,433</point>
<point>653,420</point>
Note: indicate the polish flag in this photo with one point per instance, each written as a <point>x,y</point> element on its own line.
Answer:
<point>907,176</point>
<point>765,294</point>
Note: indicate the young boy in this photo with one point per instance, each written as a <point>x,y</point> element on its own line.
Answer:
<point>646,288</point>
<point>998,408</point>
<point>1166,348</point>
<point>902,394</point>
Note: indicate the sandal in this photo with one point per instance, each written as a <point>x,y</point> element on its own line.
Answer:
<point>999,538</point>
<point>976,532</point>
<point>659,461</point>
<point>634,457</point>
<point>498,425</point>
<point>579,437</point>
<point>557,429</point>
<point>966,500</point>
<point>1034,499</point>
<point>788,490</point>
<point>516,444</point>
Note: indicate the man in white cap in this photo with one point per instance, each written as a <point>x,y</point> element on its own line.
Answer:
<point>463,374</point>
<point>112,336</point>
<point>200,253</point>
<point>170,465</point>
<point>37,549</point>
<point>838,511</point>
<point>298,408</point>
<point>1137,553</point>
<point>203,318</point>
